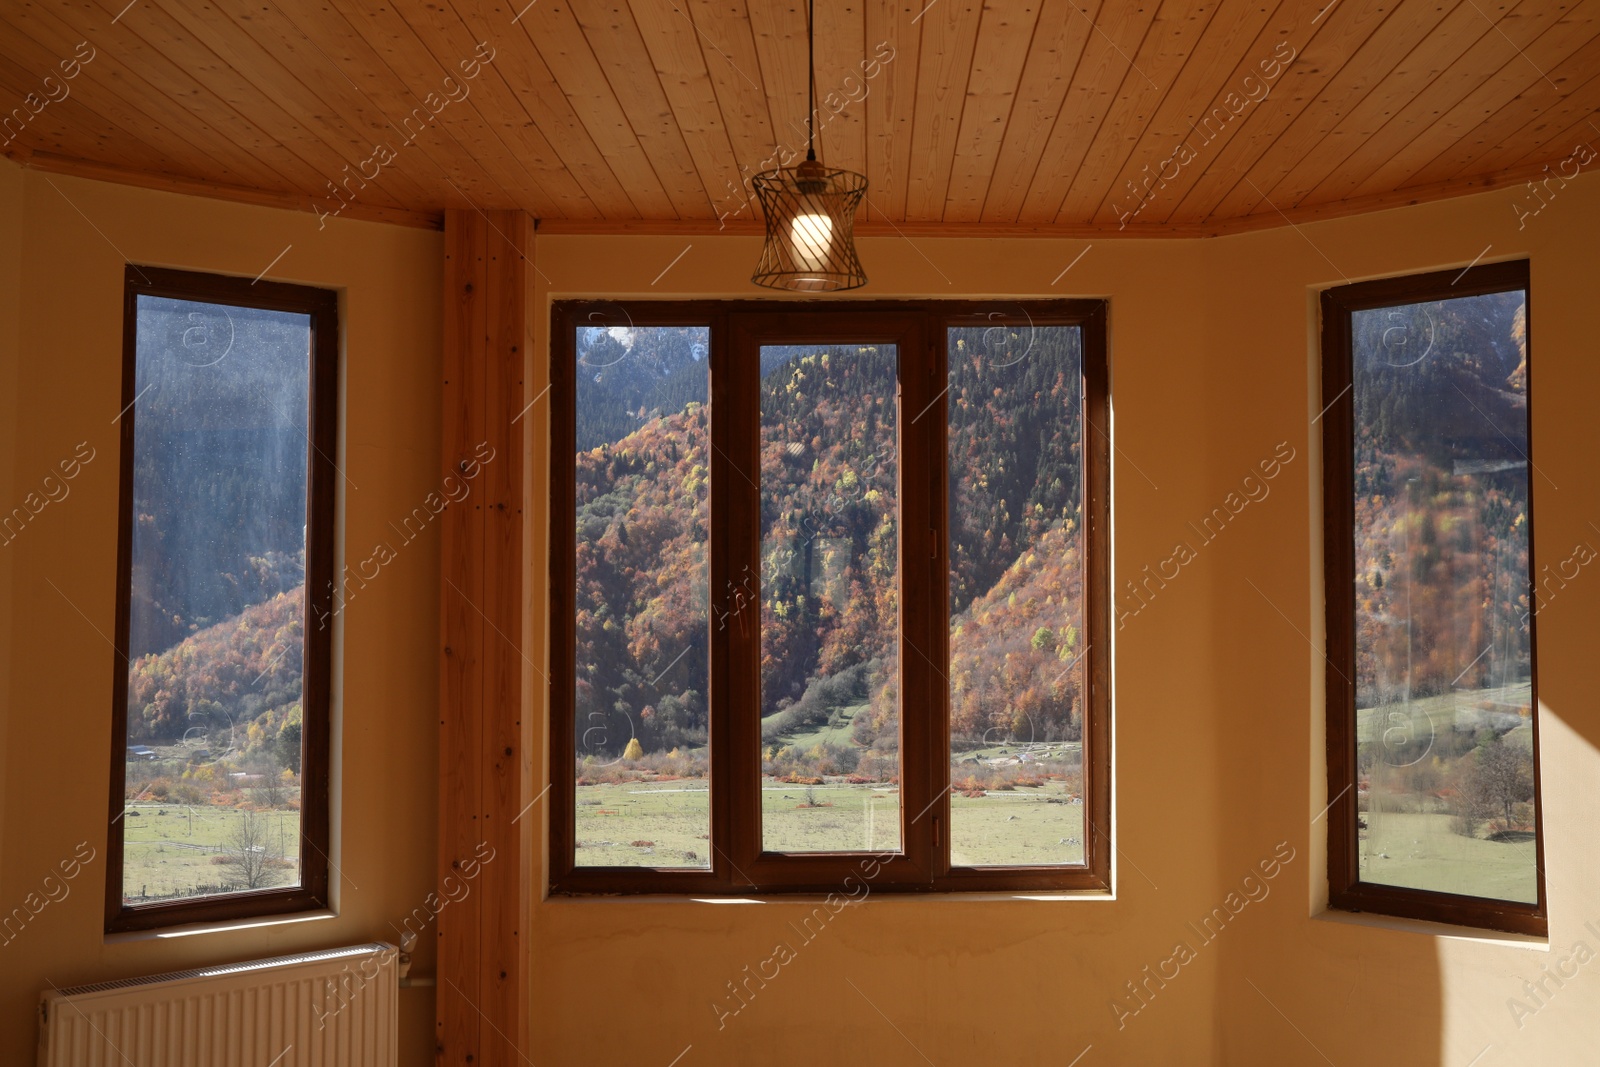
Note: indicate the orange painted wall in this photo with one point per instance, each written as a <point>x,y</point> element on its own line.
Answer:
<point>1218,681</point>
<point>63,243</point>
<point>1218,709</point>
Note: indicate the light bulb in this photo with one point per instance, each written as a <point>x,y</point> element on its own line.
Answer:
<point>811,237</point>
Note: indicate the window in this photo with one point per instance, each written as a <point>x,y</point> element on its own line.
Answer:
<point>829,597</point>
<point>1432,704</point>
<point>219,770</point>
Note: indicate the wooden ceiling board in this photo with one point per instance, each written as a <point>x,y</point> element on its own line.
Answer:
<point>123,68</point>
<point>1523,69</point>
<point>554,34</point>
<point>1320,44</point>
<point>436,159</point>
<point>1103,68</point>
<point>1157,70</point>
<point>1455,70</point>
<point>1005,36</point>
<point>318,147</point>
<point>360,106</point>
<point>967,116</point>
<point>616,45</point>
<point>674,49</point>
<point>894,36</point>
<point>1237,25</point>
<point>778,33</point>
<point>841,51</point>
<point>491,175</point>
<point>54,163</point>
<point>1336,122</point>
<point>944,63</point>
<point>1059,38</point>
<point>127,137</point>
<point>282,81</point>
<point>1585,132</point>
<point>1578,97</point>
<point>529,111</point>
<point>728,52</point>
<point>125,104</point>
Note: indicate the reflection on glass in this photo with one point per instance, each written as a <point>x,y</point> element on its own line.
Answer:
<point>1443,650</point>
<point>829,595</point>
<point>1017,683</point>
<point>217,602</point>
<point>642,487</point>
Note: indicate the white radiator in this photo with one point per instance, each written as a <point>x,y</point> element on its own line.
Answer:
<point>335,1008</point>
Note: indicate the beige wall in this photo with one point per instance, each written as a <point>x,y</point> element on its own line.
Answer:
<point>1217,698</point>
<point>1218,743</point>
<point>67,240</point>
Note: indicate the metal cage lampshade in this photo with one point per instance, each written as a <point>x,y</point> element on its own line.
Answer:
<point>810,212</point>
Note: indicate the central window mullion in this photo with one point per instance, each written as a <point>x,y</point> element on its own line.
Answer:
<point>736,603</point>
<point>923,655</point>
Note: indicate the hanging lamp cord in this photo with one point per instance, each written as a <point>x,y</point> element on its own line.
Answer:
<point>811,81</point>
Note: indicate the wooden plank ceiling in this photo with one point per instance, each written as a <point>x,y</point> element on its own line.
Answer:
<point>1049,116</point>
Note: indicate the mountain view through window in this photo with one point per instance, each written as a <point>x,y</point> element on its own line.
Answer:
<point>216,623</point>
<point>827,597</point>
<point>1443,639</point>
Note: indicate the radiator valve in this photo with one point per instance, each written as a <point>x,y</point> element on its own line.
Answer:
<point>408,941</point>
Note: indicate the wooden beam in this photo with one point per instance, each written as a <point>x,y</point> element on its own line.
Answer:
<point>488,326</point>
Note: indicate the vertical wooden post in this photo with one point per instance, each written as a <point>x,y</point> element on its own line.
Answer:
<point>488,326</point>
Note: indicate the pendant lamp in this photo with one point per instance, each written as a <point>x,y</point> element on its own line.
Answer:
<point>810,213</point>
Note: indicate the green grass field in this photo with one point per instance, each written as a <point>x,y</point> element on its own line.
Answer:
<point>643,824</point>
<point>1419,851</point>
<point>168,849</point>
<point>1417,848</point>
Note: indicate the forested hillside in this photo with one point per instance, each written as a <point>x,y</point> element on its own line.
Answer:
<point>1441,480</point>
<point>214,685</point>
<point>828,587</point>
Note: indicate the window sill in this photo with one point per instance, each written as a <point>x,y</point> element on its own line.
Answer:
<point>1443,931</point>
<point>813,899</point>
<point>192,929</point>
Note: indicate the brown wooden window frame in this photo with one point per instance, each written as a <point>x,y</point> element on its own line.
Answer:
<point>739,865</point>
<point>1345,889</point>
<point>322,305</point>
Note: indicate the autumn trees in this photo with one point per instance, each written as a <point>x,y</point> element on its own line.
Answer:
<point>1491,783</point>
<point>828,590</point>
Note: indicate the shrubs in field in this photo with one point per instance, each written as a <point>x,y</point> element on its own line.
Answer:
<point>790,764</point>
<point>219,784</point>
<point>980,780</point>
<point>1486,782</point>
<point>647,766</point>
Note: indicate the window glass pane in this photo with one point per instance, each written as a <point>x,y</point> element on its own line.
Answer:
<point>1016,595</point>
<point>1443,646</point>
<point>830,629</point>
<point>642,492</point>
<point>217,620</point>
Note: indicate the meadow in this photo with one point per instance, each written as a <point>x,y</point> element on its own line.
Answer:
<point>175,850</point>
<point>1420,851</point>
<point>1418,756</point>
<point>665,824</point>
